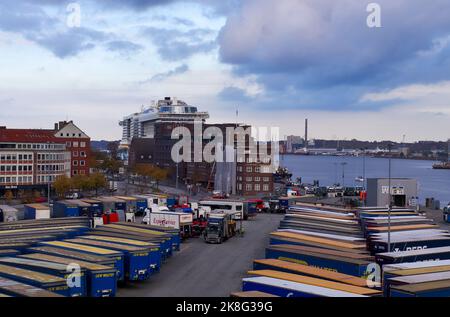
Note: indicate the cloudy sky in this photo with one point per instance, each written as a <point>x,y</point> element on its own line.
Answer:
<point>277,61</point>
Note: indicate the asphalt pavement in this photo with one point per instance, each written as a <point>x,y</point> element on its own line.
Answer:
<point>208,270</point>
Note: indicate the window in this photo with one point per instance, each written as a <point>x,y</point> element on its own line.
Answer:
<point>257,179</point>
<point>75,163</point>
<point>265,187</point>
<point>82,144</point>
<point>249,169</point>
<point>266,179</point>
<point>82,163</point>
<point>257,169</point>
<point>75,153</point>
<point>248,187</point>
<point>257,187</point>
<point>75,144</point>
<point>83,154</point>
<point>239,186</point>
<point>248,179</point>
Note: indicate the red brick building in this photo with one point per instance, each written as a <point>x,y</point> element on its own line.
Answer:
<point>78,143</point>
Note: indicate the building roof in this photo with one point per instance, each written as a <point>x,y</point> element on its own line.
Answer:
<point>28,136</point>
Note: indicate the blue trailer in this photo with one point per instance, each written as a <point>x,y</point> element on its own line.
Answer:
<point>141,203</point>
<point>8,252</point>
<point>430,289</point>
<point>285,288</point>
<point>45,281</point>
<point>101,279</point>
<point>96,207</point>
<point>154,252</point>
<point>137,259</point>
<point>408,244</point>
<point>17,289</point>
<point>118,257</point>
<point>350,266</point>
<point>65,208</point>
<point>432,254</point>
<point>55,269</point>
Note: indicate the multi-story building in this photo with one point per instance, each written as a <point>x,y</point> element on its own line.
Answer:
<point>168,110</point>
<point>78,143</point>
<point>248,176</point>
<point>30,159</point>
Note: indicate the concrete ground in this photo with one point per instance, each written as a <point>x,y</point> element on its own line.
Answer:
<point>208,270</point>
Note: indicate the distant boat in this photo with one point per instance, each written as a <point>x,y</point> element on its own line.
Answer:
<point>442,166</point>
<point>359,179</point>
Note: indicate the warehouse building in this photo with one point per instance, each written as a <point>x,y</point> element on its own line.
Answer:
<point>403,192</point>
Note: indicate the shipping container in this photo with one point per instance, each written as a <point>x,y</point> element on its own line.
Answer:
<point>407,244</point>
<point>442,277</point>
<point>37,211</point>
<point>11,214</point>
<point>101,279</point>
<point>17,289</point>
<point>8,252</point>
<point>136,259</point>
<point>284,288</point>
<point>119,263</point>
<point>430,289</point>
<point>41,280</point>
<point>65,208</point>
<point>54,269</point>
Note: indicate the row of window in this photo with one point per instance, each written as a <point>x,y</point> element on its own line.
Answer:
<point>82,154</point>
<point>15,168</point>
<point>75,144</point>
<point>13,157</point>
<point>16,179</point>
<point>255,187</point>
<point>51,167</point>
<point>51,157</point>
<point>46,178</point>
<point>265,160</point>
<point>73,135</point>
<point>35,146</point>
<point>82,163</point>
<point>258,169</point>
<point>78,172</point>
<point>251,179</point>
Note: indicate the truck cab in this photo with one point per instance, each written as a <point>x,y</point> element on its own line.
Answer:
<point>219,228</point>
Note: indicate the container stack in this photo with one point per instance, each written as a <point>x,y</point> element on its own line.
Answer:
<point>41,257</point>
<point>317,252</point>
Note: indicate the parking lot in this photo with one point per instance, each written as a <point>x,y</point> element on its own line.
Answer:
<point>208,270</point>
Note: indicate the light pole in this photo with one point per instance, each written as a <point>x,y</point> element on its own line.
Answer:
<point>390,200</point>
<point>343,173</point>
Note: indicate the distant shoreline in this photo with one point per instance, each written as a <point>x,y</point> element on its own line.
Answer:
<point>370,156</point>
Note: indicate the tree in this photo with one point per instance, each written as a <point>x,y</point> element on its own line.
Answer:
<point>80,183</point>
<point>159,175</point>
<point>145,170</point>
<point>62,185</point>
<point>97,181</point>
<point>9,196</point>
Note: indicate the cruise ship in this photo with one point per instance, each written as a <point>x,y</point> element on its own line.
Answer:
<point>142,124</point>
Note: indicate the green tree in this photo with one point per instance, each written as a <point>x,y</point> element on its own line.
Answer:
<point>97,181</point>
<point>62,185</point>
<point>159,175</point>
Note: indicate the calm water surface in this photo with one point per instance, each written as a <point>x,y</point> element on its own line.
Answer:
<point>328,170</point>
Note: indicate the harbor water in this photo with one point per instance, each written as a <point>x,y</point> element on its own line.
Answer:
<point>329,170</point>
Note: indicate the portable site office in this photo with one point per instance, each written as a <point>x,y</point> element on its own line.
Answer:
<point>101,279</point>
<point>117,256</point>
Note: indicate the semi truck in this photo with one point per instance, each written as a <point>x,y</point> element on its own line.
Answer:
<point>220,227</point>
<point>161,216</point>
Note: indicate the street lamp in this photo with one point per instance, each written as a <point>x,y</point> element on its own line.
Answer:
<point>343,173</point>
<point>390,198</point>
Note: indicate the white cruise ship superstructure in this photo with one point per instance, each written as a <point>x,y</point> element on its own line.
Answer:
<point>142,124</point>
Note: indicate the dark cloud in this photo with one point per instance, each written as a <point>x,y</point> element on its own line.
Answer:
<point>174,45</point>
<point>310,48</point>
<point>234,94</point>
<point>123,47</point>
<point>162,76</point>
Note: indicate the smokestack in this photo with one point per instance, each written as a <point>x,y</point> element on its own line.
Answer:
<point>306,133</point>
